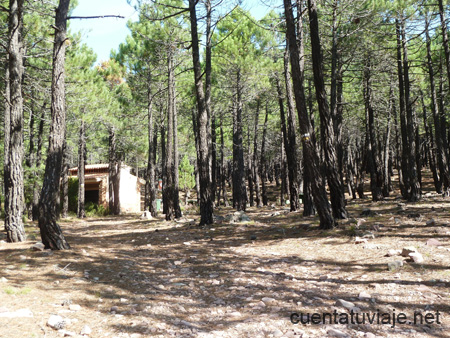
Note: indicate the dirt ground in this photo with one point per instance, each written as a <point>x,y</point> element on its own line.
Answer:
<point>126,277</point>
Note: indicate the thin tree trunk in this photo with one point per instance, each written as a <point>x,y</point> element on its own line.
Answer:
<point>250,178</point>
<point>223,165</point>
<point>14,181</point>
<point>36,191</point>
<point>169,187</point>
<point>256,172</point>
<point>326,119</point>
<point>65,183</point>
<point>414,191</point>
<point>239,187</point>
<point>374,162</point>
<point>150,198</point>
<point>312,165</point>
<point>262,164</point>
<point>442,157</point>
<point>203,160</point>
<point>81,165</point>
<point>51,233</point>
<point>176,158</point>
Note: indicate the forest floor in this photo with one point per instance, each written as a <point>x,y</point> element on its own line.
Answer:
<point>126,277</point>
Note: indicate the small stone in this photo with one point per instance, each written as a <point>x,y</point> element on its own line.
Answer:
<point>74,307</point>
<point>56,322</point>
<point>433,242</point>
<point>364,295</point>
<point>3,280</point>
<point>277,333</point>
<point>86,331</point>
<point>68,333</point>
<point>369,335</point>
<point>406,251</point>
<point>21,313</point>
<point>416,257</point>
<point>253,237</point>
<point>114,309</point>
<point>146,215</point>
<point>268,300</point>
<point>395,265</point>
<point>336,333</point>
<point>359,240</point>
<point>376,227</point>
<point>38,247</point>
<point>431,223</point>
<point>393,252</point>
<point>366,212</point>
<point>344,303</point>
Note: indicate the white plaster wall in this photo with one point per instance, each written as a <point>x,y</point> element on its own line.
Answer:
<point>130,198</point>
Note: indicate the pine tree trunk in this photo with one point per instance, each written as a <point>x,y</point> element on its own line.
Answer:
<point>51,233</point>
<point>413,188</point>
<point>6,130</point>
<point>150,191</point>
<point>36,191</point>
<point>114,174</point>
<point>310,152</point>
<point>256,173</point>
<point>176,158</point>
<point>404,178</point>
<point>81,165</point>
<point>14,195</point>
<point>223,165</point>
<point>291,144</point>
<point>326,120</point>
<point>65,183</point>
<point>262,163</point>
<point>441,151</point>
<point>239,187</point>
<point>374,162</point>
<point>250,178</point>
<point>203,160</point>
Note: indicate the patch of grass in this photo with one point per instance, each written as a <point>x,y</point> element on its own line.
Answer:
<point>23,266</point>
<point>9,290</point>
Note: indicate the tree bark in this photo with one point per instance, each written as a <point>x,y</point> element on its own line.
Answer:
<point>150,198</point>
<point>81,165</point>
<point>441,150</point>
<point>310,152</point>
<point>239,187</point>
<point>65,182</point>
<point>114,174</point>
<point>203,160</point>
<point>256,173</point>
<point>413,188</point>
<point>51,233</point>
<point>36,191</point>
<point>374,162</point>
<point>326,119</point>
<point>169,186</point>
<point>176,158</point>
<point>14,182</point>
<point>262,163</point>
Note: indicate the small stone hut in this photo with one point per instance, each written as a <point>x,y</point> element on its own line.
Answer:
<point>131,189</point>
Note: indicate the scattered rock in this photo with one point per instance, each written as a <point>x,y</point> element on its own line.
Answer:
<point>218,219</point>
<point>393,252</point>
<point>376,227</point>
<point>433,242</point>
<point>39,246</point>
<point>114,309</point>
<point>146,215</point>
<point>74,307</point>
<point>415,216</point>
<point>364,295</point>
<point>253,237</point>
<point>344,303</point>
<point>238,216</point>
<point>268,300</point>
<point>416,257</point>
<point>56,322</point>
<point>395,265</point>
<point>359,240</point>
<point>86,331</point>
<point>431,223</point>
<point>21,313</point>
<point>406,251</point>
<point>336,333</point>
<point>3,280</point>
<point>277,333</point>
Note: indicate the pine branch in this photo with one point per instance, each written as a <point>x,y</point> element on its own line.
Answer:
<point>96,17</point>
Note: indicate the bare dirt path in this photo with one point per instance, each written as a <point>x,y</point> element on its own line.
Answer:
<point>126,277</point>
